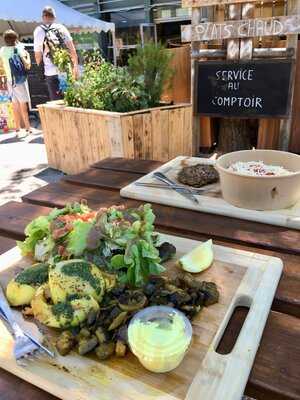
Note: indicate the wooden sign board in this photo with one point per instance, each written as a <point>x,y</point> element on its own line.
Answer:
<point>251,89</point>
<point>204,3</point>
<point>275,26</point>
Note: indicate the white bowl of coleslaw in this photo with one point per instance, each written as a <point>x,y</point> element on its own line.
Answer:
<point>260,179</point>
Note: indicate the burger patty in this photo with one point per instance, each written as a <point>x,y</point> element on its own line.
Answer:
<point>198,175</point>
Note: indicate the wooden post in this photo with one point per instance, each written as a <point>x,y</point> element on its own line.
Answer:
<point>196,19</point>
<point>295,131</point>
<point>292,41</point>
<point>246,46</point>
<point>206,138</point>
<point>234,134</point>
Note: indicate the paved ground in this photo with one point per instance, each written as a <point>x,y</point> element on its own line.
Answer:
<point>23,165</point>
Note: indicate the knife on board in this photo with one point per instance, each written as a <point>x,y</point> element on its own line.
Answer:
<point>169,187</point>
<point>185,192</point>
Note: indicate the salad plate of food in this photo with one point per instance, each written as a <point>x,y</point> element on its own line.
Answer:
<point>127,310</point>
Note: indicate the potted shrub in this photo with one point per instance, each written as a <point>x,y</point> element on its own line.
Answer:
<point>116,112</point>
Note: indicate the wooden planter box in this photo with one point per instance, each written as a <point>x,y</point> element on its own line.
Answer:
<point>75,138</point>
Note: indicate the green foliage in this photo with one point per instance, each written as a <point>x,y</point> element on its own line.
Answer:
<point>151,65</point>
<point>106,87</point>
<point>62,59</point>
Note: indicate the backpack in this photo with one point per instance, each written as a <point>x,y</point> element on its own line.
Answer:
<point>26,60</point>
<point>53,40</point>
<point>17,68</point>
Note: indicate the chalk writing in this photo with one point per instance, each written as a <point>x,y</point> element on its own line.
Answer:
<point>275,26</point>
<point>243,89</point>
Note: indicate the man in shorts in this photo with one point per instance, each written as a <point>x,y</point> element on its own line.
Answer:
<point>42,52</point>
<point>18,91</point>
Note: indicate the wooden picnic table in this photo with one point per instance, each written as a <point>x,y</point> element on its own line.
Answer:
<point>276,371</point>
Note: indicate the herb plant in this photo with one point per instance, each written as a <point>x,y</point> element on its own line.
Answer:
<point>151,64</point>
<point>106,87</point>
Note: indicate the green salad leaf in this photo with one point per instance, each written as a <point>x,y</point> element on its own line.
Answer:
<point>77,238</point>
<point>37,230</point>
<point>72,208</point>
<point>131,233</point>
<point>40,229</point>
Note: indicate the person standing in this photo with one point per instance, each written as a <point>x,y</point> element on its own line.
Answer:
<point>47,37</point>
<point>16,60</point>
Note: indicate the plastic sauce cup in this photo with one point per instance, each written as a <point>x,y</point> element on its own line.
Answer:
<point>159,336</point>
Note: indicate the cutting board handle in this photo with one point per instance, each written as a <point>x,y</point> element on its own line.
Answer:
<point>256,291</point>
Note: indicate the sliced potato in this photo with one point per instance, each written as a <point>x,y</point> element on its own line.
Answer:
<point>64,314</point>
<point>19,294</point>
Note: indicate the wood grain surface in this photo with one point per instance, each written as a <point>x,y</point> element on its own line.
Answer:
<point>125,165</point>
<point>276,371</point>
<point>6,244</point>
<point>137,134</point>
<point>102,179</point>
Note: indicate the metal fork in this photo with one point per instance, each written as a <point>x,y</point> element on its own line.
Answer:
<point>25,346</point>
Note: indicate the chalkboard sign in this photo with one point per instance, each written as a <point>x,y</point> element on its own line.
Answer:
<point>249,89</point>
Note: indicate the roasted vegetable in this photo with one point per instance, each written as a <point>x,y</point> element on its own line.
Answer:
<point>166,251</point>
<point>120,349</point>
<point>102,335</point>
<point>27,312</point>
<point>65,343</point>
<point>132,300</point>
<point>22,288</point>
<point>105,350</point>
<point>118,320</point>
<point>211,293</point>
<point>122,334</point>
<point>84,333</point>
<point>86,345</point>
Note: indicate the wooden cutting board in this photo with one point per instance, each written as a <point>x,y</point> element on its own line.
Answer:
<point>210,201</point>
<point>243,279</point>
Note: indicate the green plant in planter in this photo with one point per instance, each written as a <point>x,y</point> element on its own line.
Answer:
<point>106,87</point>
<point>62,60</point>
<point>151,64</point>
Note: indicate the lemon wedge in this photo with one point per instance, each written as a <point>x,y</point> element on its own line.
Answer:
<point>199,258</point>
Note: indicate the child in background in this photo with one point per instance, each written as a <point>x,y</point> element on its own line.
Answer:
<point>18,91</point>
